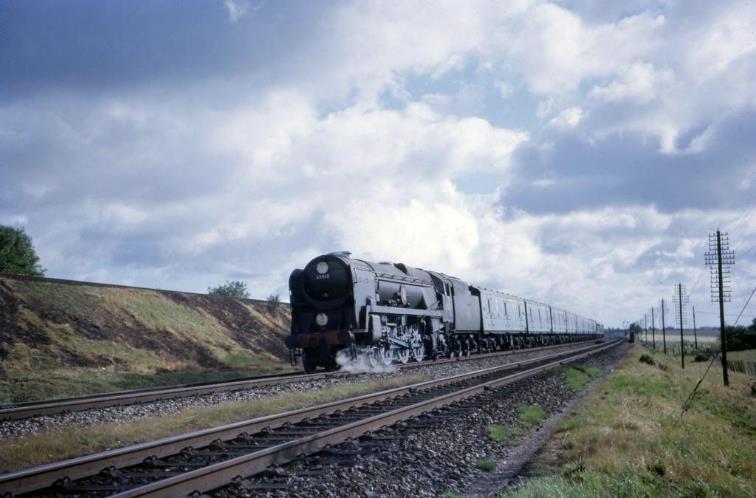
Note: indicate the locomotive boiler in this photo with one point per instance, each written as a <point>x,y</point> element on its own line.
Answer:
<point>391,312</point>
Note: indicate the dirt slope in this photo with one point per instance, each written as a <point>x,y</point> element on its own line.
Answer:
<point>48,324</point>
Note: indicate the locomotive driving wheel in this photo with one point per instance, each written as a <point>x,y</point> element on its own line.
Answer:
<point>403,355</point>
<point>386,355</point>
<point>372,357</point>
<point>418,352</point>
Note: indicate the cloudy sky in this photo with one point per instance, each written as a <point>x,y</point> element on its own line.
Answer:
<point>577,152</point>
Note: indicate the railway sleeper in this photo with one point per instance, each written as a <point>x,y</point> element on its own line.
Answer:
<point>267,486</point>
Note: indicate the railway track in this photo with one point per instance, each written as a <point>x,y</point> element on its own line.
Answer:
<point>81,403</point>
<point>201,461</point>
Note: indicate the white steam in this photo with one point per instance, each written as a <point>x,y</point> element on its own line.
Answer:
<point>361,363</point>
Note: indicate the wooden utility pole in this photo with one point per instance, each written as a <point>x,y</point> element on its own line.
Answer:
<point>645,327</point>
<point>722,334</point>
<point>682,344</point>
<point>695,335</point>
<point>653,329</point>
<point>719,258</point>
<point>664,329</point>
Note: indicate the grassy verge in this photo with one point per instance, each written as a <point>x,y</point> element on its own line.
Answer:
<point>32,385</point>
<point>73,441</point>
<point>576,378</point>
<point>629,438</point>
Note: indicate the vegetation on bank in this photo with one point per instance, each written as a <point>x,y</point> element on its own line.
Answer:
<point>66,382</point>
<point>72,441</point>
<point>59,339</point>
<point>232,288</point>
<point>630,438</point>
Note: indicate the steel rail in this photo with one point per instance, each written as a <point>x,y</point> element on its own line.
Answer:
<point>35,478</point>
<point>213,476</point>
<point>121,398</point>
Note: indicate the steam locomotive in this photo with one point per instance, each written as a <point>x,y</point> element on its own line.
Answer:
<point>391,312</point>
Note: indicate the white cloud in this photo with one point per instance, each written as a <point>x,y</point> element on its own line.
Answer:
<point>568,118</point>
<point>722,43</point>
<point>640,82</point>
<point>236,9</point>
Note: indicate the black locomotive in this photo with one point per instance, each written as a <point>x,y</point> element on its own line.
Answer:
<point>392,312</point>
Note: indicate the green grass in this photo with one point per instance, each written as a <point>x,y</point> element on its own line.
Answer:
<point>592,484</point>
<point>485,464</point>
<point>576,378</point>
<point>18,387</point>
<point>160,312</point>
<point>73,299</point>
<point>504,434</point>
<point>629,438</point>
<point>72,441</point>
<point>530,414</point>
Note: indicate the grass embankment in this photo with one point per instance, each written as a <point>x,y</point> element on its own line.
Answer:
<point>629,438</point>
<point>64,340</point>
<point>59,444</point>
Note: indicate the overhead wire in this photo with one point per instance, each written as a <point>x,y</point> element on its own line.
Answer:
<point>744,307</point>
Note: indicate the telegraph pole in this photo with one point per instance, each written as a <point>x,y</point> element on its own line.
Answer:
<point>682,344</point>
<point>695,336</point>
<point>682,300</point>
<point>653,329</point>
<point>719,258</point>
<point>664,329</point>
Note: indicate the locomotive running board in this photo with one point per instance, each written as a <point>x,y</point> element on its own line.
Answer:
<point>404,311</point>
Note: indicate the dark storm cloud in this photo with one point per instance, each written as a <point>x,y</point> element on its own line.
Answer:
<point>629,169</point>
<point>93,46</point>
